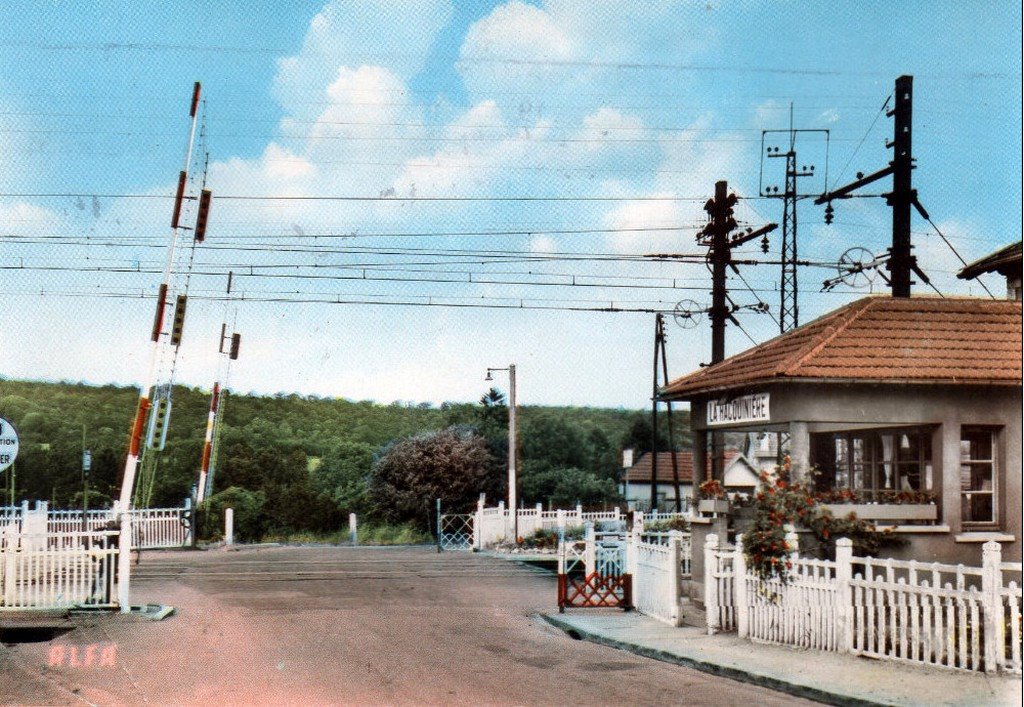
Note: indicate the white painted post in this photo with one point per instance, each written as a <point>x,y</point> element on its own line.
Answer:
<point>711,584</point>
<point>579,512</point>
<point>992,603</point>
<point>506,526</point>
<point>591,552</point>
<point>675,546</point>
<point>538,523</point>
<point>618,514</point>
<point>478,524</point>
<point>844,575</point>
<point>229,526</point>
<point>632,549</point>
<point>739,589</point>
<point>124,563</point>
<point>792,542</point>
<point>10,542</point>
<point>353,529</point>
<point>561,520</point>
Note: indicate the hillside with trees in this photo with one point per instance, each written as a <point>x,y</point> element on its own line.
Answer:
<point>302,463</point>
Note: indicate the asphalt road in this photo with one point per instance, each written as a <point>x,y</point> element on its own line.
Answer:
<point>344,626</point>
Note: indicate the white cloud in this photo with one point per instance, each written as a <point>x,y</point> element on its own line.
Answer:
<point>517,30</point>
<point>397,36</point>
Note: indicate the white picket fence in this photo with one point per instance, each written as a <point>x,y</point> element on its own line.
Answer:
<point>60,570</point>
<point>152,528</point>
<point>494,525</point>
<point>950,616</point>
<point>659,562</point>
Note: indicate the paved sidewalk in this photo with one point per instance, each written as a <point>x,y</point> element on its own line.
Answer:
<point>826,677</point>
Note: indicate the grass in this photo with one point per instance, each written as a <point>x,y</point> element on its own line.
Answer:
<point>383,534</point>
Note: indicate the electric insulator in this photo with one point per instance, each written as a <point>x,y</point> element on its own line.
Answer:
<point>764,244</point>
<point>236,341</point>
<point>829,213</point>
<point>179,319</point>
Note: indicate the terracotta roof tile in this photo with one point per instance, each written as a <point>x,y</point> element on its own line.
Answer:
<point>640,472</point>
<point>914,340</point>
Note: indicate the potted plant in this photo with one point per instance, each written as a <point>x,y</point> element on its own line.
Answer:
<point>712,498</point>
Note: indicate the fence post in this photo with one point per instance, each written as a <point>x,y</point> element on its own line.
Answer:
<point>675,547</point>
<point>353,529</point>
<point>591,551</point>
<point>506,527</point>
<point>711,584</point>
<point>10,542</point>
<point>438,514</point>
<point>478,524</point>
<point>579,512</point>
<point>124,563</point>
<point>844,598</point>
<point>618,514</point>
<point>739,589</point>
<point>229,526</point>
<point>992,603</point>
<point>792,542</point>
<point>561,520</point>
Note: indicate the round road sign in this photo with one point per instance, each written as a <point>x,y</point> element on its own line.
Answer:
<point>8,444</point>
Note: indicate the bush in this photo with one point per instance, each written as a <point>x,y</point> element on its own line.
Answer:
<point>248,514</point>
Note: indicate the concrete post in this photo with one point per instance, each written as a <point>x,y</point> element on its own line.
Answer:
<point>124,564</point>
<point>579,512</point>
<point>844,575</point>
<point>792,542</point>
<point>591,551</point>
<point>10,542</point>
<point>560,517</point>
<point>506,527</point>
<point>991,587</point>
<point>799,451</point>
<point>539,520</point>
<point>353,530</point>
<point>229,526</point>
<point>711,584</point>
<point>739,590</point>
<point>675,548</point>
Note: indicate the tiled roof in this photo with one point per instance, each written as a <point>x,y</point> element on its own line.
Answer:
<point>640,472</point>
<point>1005,260</point>
<point>881,339</point>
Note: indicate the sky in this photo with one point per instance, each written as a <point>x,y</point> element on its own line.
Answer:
<point>409,193</point>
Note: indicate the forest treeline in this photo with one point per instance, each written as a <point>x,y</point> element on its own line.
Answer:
<point>293,463</point>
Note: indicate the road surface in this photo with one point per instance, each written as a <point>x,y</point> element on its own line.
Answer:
<point>310,626</point>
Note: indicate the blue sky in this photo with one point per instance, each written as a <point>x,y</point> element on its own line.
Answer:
<point>626,112</point>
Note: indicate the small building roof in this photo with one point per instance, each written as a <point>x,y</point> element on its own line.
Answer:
<point>640,472</point>
<point>1006,261</point>
<point>914,340</point>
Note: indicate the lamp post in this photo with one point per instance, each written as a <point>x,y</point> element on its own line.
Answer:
<point>511,443</point>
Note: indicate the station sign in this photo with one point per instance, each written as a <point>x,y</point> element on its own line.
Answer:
<point>8,444</point>
<point>745,408</point>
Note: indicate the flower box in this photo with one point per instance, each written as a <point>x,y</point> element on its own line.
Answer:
<point>885,511</point>
<point>713,505</point>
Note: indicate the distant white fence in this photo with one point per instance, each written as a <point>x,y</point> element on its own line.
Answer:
<point>60,570</point>
<point>494,525</point>
<point>951,616</point>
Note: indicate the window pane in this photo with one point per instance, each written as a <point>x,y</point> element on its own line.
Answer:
<point>977,508</point>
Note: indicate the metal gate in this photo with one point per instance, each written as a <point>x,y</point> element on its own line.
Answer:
<point>592,573</point>
<point>455,531</point>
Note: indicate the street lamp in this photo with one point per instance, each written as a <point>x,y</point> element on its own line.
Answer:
<point>511,443</point>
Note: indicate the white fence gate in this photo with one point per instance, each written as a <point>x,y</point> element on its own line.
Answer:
<point>660,562</point>
<point>951,616</point>
<point>59,570</point>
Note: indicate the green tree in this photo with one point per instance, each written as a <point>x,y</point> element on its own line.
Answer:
<point>453,464</point>
<point>344,473</point>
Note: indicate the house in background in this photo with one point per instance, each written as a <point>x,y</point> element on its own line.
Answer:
<point>917,398</point>
<point>741,476</point>
<point>1005,261</point>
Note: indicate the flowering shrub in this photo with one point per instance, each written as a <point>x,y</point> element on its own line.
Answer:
<point>781,503</point>
<point>894,497</point>
<point>711,490</point>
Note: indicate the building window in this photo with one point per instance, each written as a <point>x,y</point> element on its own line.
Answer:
<point>874,462</point>
<point>977,476</point>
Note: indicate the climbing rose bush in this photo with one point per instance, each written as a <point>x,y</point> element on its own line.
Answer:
<point>781,503</point>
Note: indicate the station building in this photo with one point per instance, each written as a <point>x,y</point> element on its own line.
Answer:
<point>914,404</point>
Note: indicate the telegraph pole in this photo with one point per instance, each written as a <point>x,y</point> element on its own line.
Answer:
<point>901,261</point>
<point>717,235</point>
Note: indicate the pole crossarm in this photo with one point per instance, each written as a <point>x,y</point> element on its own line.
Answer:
<point>844,191</point>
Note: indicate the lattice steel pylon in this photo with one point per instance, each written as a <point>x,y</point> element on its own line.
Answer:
<point>789,308</point>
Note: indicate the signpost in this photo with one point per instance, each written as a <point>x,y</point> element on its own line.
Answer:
<point>9,444</point>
